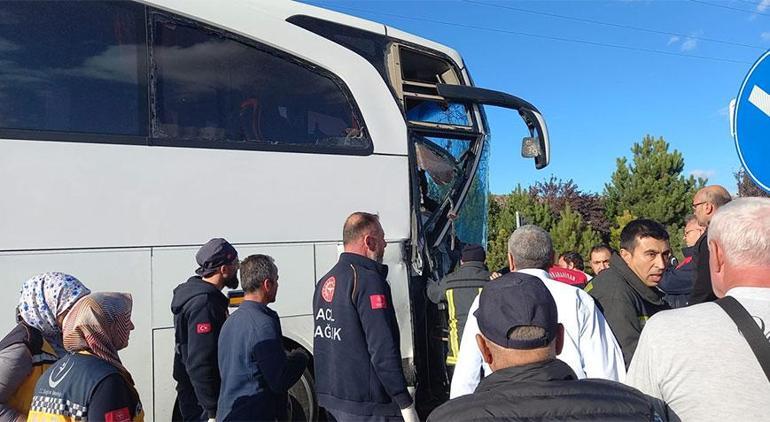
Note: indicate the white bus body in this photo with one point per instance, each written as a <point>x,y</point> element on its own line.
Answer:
<point>116,164</point>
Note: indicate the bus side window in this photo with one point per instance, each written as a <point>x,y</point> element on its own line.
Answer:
<point>217,88</point>
<point>73,67</point>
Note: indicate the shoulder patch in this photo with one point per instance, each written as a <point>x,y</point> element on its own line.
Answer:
<point>378,301</point>
<point>203,328</point>
<point>120,415</point>
<point>327,290</point>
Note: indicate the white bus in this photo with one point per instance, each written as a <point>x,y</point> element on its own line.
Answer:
<point>131,132</point>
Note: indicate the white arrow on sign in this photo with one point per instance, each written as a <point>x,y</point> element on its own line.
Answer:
<point>760,99</point>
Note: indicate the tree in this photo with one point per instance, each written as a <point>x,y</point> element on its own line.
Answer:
<point>570,233</point>
<point>653,187</point>
<point>620,222</point>
<point>558,194</point>
<point>746,186</point>
<point>502,222</point>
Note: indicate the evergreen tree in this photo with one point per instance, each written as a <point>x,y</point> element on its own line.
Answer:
<point>653,187</point>
<point>620,222</point>
<point>502,222</point>
<point>571,233</point>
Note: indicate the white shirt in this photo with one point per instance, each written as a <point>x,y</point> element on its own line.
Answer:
<point>590,348</point>
<point>696,361</point>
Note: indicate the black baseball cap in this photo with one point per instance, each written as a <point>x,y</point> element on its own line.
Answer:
<point>473,252</point>
<point>215,253</point>
<point>515,300</point>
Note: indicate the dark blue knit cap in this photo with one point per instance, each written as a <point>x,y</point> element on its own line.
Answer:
<point>515,300</point>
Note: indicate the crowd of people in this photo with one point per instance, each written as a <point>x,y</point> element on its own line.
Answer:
<point>538,340</point>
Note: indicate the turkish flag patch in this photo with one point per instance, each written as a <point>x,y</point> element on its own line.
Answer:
<point>378,301</point>
<point>203,328</point>
<point>120,415</point>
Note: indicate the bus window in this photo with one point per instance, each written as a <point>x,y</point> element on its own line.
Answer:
<point>220,90</point>
<point>74,67</point>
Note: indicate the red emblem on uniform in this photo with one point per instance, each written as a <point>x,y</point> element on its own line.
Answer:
<point>203,328</point>
<point>327,290</point>
<point>378,301</point>
<point>120,415</point>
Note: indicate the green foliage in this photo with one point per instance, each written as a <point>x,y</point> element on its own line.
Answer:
<point>653,187</point>
<point>620,222</point>
<point>571,233</point>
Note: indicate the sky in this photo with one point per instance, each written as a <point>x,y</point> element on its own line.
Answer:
<point>603,73</point>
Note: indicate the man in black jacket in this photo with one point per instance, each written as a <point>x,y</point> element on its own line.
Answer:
<point>520,338</point>
<point>627,292</point>
<point>200,310</point>
<point>677,282</point>
<point>704,205</point>
<point>457,292</point>
<point>356,342</point>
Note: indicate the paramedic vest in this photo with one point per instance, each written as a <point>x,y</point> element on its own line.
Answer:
<point>64,392</point>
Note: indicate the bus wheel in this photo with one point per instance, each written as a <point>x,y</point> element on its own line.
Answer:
<point>302,399</point>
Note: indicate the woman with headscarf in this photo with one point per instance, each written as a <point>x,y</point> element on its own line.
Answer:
<point>36,341</point>
<point>90,382</point>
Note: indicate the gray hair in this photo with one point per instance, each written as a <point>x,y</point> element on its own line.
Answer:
<point>531,247</point>
<point>742,230</point>
<point>255,269</point>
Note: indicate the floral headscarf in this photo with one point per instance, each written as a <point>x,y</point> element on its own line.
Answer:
<point>43,298</point>
<point>100,324</point>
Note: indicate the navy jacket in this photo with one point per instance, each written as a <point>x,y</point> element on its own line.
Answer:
<point>677,282</point>
<point>199,310</point>
<point>356,341</point>
<point>256,373</point>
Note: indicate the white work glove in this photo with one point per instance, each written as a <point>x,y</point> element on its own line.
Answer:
<point>410,414</point>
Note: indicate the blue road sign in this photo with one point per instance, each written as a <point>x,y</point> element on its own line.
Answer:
<point>752,122</point>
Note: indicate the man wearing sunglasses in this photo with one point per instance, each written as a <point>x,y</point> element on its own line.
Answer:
<point>704,205</point>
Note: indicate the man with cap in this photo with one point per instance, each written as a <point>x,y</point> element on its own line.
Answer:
<point>590,348</point>
<point>456,293</point>
<point>200,310</point>
<point>519,338</point>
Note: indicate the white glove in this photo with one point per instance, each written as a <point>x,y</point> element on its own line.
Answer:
<point>410,414</point>
<point>212,420</point>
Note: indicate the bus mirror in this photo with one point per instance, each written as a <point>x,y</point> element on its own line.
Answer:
<point>538,132</point>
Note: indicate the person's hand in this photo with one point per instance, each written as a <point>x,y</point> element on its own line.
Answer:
<point>494,275</point>
<point>212,420</point>
<point>410,414</point>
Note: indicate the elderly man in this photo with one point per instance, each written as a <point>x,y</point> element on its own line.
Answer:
<point>589,348</point>
<point>627,292</point>
<point>519,339</point>
<point>704,204</point>
<point>699,360</point>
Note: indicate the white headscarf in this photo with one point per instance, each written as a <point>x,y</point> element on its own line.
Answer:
<point>43,298</point>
